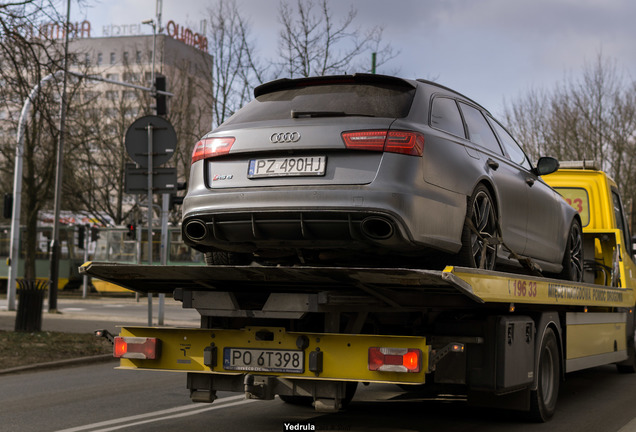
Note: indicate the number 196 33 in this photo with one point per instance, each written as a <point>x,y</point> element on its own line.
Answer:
<point>522,288</point>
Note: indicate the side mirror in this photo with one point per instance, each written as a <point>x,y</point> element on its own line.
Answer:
<point>546,165</point>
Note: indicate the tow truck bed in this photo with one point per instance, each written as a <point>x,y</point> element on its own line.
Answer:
<point>394,287</point>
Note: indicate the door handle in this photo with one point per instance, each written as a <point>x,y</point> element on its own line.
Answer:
<point>492,164</point>
<point>529,181</point>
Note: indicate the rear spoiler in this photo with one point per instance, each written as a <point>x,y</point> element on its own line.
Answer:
<point>358,78</point>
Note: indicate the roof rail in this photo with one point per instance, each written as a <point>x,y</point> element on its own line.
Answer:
<point>580,164</point>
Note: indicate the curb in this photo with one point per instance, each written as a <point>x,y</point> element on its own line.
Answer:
<point>59,364</point>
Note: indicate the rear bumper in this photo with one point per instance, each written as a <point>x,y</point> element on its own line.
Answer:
<point>344,357</point>
<point>342,218</point>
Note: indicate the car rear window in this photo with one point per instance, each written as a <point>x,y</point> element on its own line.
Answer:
<point>371,100</point>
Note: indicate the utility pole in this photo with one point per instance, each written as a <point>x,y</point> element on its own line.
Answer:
<point>55,243</point>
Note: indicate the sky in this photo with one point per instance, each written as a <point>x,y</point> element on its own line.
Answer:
<point>493,51</point>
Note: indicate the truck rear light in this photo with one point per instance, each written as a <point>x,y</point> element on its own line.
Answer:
<point>392,141</point>
<point>136,348</point>
<point>211,147</point>
<point>395,359</point>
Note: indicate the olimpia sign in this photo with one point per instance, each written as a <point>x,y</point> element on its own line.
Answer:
<point>82,30</point>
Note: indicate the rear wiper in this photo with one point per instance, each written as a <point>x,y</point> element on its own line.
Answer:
<point>308,114</point>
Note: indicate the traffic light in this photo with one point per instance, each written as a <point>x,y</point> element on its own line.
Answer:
<point>176,199</point>
<point>81,236</point>
<point>94,234</point>
<point>161,99</point>
<point>132,231</point>
<point>7,209</point>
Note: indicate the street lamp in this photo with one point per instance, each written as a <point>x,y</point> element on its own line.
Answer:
<point>55,243</point>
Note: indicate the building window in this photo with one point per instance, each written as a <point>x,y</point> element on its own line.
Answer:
<point>87,59</point>
<point>112,76</point>
<point>111,95</point>
<point>90,95</point>
<point>126,59</point>
<point>112,58</point>
<point>99,59</point>
<point>131,77</point>
<point>138,57</point>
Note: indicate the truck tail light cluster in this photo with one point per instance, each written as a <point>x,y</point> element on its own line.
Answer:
<point>392,141</point>
<point>395,359</point>
<point>137,348</point>
<point>211,147</point>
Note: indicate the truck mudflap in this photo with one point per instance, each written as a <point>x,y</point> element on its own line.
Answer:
<point>272,351</point>
<point>394,288</point>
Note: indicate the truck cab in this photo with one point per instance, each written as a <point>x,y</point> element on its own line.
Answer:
<point>608,250</point>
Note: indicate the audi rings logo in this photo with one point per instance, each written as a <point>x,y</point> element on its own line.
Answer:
<point>284,137</point>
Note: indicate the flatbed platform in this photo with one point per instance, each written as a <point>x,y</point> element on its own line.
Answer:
<point>392,286</point>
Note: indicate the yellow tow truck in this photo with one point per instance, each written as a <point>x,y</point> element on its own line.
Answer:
<point>311,334</point>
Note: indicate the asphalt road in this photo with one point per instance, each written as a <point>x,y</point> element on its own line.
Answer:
<point>98,397</point>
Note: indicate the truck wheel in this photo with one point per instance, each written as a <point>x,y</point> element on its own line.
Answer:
<point>543,400</point>
<point>226,258</point>
<point>573,256</point>
<point>480,225</point>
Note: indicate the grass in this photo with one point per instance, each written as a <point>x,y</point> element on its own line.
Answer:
<point>22,348</point>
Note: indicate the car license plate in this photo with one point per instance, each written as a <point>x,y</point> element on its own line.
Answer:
<point>289,166</point>
<point>264,360</point>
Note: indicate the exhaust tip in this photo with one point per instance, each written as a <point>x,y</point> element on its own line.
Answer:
<point>376,228</point>
<point>196,230</point>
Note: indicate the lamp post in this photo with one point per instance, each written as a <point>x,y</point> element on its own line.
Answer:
<point>17,190</point>
<point>55,243</point>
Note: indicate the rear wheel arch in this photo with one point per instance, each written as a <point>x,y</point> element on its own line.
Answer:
<point>493,194</point>
<point>478,228</point>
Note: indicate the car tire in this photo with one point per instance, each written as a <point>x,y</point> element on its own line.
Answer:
<point>215,258</point>
<point>543,400</point>
<point>482,215</point>
<point>573,255</point>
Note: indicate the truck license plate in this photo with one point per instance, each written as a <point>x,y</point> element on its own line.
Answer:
<point>264,360</point>
<point>289,166</point>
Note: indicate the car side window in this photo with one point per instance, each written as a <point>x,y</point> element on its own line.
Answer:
<point>479,130</point>
<point>515,152</point>
<point>445,116</point>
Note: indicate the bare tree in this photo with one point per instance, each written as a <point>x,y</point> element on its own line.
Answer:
<point>235,69</point>
<point>313,42</point>
<point>592,117</point>
<point>27,55</point>
<point>99,121</point>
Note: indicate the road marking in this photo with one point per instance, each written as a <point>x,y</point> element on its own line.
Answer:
<point>170,413</point>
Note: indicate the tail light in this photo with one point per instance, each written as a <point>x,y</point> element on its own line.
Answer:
<point>395,359</point>
<point>136,348</point>
<point>211,147</point>
<point>393,141</point>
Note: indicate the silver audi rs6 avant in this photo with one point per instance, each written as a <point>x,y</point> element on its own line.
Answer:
<point>372,170</point>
